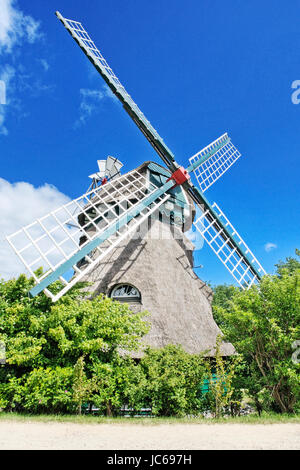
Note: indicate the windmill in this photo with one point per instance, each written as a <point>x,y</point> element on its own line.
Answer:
<point>74,240</point>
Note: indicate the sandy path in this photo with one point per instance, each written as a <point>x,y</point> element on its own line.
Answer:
<point>37,435</point>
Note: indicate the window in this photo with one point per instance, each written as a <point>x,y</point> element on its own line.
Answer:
<point>125,293</point>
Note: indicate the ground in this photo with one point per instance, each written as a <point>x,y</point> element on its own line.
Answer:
<point>30,434</point>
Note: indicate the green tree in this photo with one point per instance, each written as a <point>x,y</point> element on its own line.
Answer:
<point>220,374</point>
<point>82,386</point>
<point>289,266</point>
<point>118,383</point>
<point>222,296</point>
<point>173,379</point>
<point>262,323</point>
<point>43,339</point>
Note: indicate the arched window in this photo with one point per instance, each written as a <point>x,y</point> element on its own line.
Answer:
<point>125,293</point>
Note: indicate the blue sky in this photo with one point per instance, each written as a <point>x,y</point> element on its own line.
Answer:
<point>196,69</point>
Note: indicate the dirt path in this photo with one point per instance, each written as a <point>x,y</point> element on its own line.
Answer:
<point>37,435</point>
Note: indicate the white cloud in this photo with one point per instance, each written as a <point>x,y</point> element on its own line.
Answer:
<point>27,83</point>
<point>88,104</point>
<point>20,204</point>
<point>270,246</point>
<point>90,100</point>
<point>109,93</point>
<point>44,64</point>
<point>16,27</point>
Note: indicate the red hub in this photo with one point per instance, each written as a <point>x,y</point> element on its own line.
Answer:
<point>180,176</point>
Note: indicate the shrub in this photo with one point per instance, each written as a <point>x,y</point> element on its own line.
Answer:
<point>173,379</point>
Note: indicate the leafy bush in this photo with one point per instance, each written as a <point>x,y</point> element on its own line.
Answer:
<point>45,343</point>
<point>262,323</point>
<point>48,389</point>
<point>59,356</point>
<point>173,379</point>
<point>220,376</point>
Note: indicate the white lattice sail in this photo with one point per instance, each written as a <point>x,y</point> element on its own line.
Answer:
<point>81,35</point>
<point>239,260</point>
<point>215,166</point>
<point>70,240</point>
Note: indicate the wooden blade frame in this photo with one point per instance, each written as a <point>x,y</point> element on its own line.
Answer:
<point>229,246</point>
<point>98,220</point>
<point>87,45</point>
<point>208,172</point>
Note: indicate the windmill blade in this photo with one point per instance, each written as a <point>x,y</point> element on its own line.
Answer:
<point>113,167</point>
<point>97,221</point>
<point>87,45</point>
<point>209,170</point>
<point>110,168</point>
<point>102,167</point>
<point>216,228</point>
<point>229,246</point>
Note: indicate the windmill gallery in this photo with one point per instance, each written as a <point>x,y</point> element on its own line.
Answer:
<point>127,234</point>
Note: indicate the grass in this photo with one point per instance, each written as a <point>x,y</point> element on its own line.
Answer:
<point>265,418</point>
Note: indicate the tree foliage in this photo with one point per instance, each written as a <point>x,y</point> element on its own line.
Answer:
<point>60,356</point>
<point>46,343</point>
<point>289,266</point>
<point>173,379</point>
<point>220,374</point>
<point>262,323</point>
